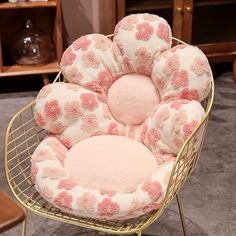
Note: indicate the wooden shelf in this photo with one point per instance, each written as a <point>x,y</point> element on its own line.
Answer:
<point>202,3</point>
<point>138,6</point>
<point>20,5</point>
<point>16,69</point>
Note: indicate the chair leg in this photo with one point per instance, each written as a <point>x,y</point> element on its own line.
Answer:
<point>139,233</point>
<point>181,213</point>
<point>24,226</point>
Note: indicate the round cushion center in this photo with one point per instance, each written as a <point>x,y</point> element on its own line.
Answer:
<point>132,98</point>
<point>110,163</point>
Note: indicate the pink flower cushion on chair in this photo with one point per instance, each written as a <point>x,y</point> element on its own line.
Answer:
<point>116,127</point>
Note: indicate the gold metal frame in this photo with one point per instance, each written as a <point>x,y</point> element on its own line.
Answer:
<point>23,136</point>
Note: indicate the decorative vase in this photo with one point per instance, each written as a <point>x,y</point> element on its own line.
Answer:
<point>31,46</point>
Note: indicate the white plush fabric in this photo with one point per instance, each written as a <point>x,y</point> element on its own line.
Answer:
<point>182,72</point>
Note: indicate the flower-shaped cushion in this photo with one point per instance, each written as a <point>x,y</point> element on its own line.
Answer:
<point>116,127</point>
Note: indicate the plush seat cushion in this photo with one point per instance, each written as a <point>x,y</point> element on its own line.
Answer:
<point>111,163</point>
<point>100,177</point>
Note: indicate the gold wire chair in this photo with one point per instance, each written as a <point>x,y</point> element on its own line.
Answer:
<point>23,136</point>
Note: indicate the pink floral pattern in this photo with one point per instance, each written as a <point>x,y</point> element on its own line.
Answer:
<point>150,17</point>
<point>178,120</point>
<point>68,57</point>
<point>53,173</point>
<point>200,66</point>
<point>163,32</point>
<point>87,202</point>
<point>178,103</point>
<point>102,97</point>
<point>105,78</point>
<point>152,206</point>
<point>75,76</point>
<point>144,70</point>
<point>73,110</point>
<point>189,127</point>
<point>65,141</point>
<point>52,109</point>
<point>178,141</point>
<point>64,200</point>
<point>135,206</point>
<point>127,65</point>
<point>177,47</point>
<point>172,63</point>
<point>47,192</point>
<point>190,94</point>
<point>109,193</point>
<point>57,127</point>
<point>129,22</point>
<point>94,86</point>
<point>144,31</point>
<point>45,91</point>
<point>118,25</point>
<point>89,122</point>
<point>113,129</point>
<point>42,155</point>
<point>107,208</point>
<point>161,116</point>
<point>179,79</point>
<point>88,101</point>
<point>144,57</point>
<point>162,158</point>
<point>81,43</point>
<point>153,136</point>
<point>66,184</point>
<point>153,189</point>
<point>101,42</point>
<point>170,96</point>
<point>58,148</point>
<point>142,131</point>
<point>90,60</point>
<point>161,82</point>
<point>119,46</point>
<point>39,119</point>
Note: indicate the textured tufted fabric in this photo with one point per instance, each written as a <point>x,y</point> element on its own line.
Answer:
<point>135,86</point>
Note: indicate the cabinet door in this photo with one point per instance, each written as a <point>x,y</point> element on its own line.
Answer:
<point>209,21</point>
<point>187,21</point>
<point>171,10</point>
<point>210,24</point>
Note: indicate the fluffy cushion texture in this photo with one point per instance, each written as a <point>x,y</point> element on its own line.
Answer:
<point>135,86</point>
<point>50,163</point>
<point>107,164</point>
<point>132,106</point>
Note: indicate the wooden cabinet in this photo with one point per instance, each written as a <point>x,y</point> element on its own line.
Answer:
<point>47,17</point>
<point>209,24</point>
